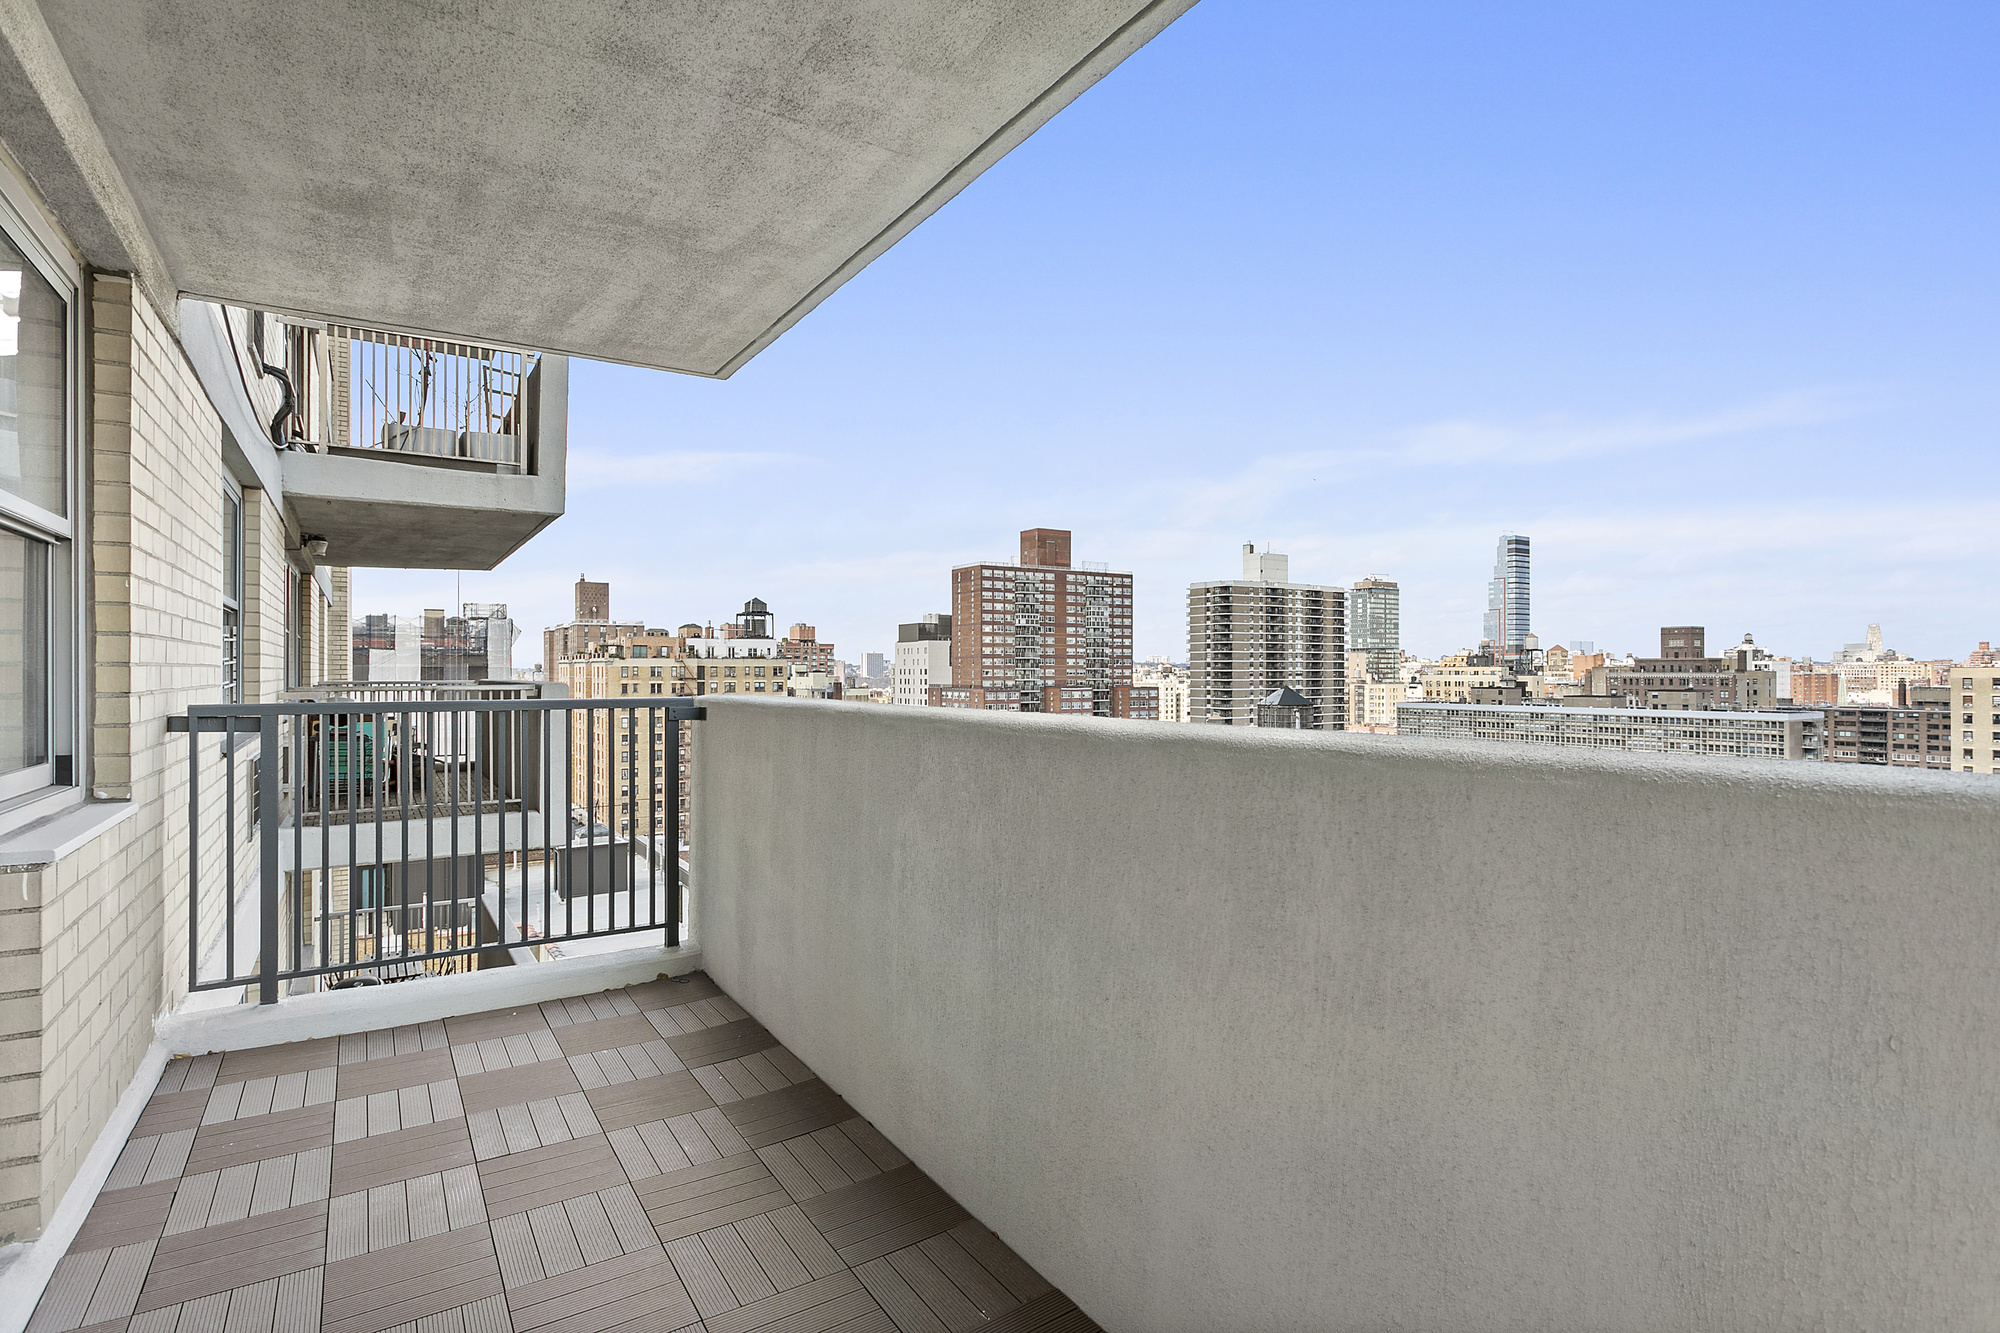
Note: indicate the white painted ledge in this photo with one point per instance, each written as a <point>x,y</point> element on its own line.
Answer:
<point>198,1026</point>
<point>47,841</point>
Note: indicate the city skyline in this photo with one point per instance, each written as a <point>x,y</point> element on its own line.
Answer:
<point>1434,275</point>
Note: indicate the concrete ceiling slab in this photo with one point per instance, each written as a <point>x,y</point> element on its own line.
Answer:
<point>668,185</point>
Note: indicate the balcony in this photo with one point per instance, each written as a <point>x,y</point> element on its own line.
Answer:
<point>395,450</point>
<point>1212,1028</point>
<point>644,1158</point>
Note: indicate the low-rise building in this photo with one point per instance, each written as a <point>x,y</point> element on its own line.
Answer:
<point>1788,735</point>
<point>1371,700</point>
<point>1170,681</point>
<point>1684,678</point>
<point>1453,679</point>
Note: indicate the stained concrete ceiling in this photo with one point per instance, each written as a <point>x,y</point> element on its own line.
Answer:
<point>670,185</point>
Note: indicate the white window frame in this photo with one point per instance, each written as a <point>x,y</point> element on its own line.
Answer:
<point>62,534</point>
<point>233,580</point>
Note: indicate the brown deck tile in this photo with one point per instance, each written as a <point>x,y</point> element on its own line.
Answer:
<point>670,991</point>
<point>169,1111</point>
<point>602,1296</point>
<point>397,1071</point>
<point>213,1259</point>
<point>291,1058</point>
<point>495,1023</point>
<point>814,1308</point>
<point>622,1104</point>
<point>126,1217</point>
<point>994,1256</point>
<point>604,1033</point>
<point>700,1198</point>
<point>525,1180</point>
<point>361,1164</point>
<point>381,1290</point>
<point>727,1041</point>
<point>509,1087</point>
<point>883,1214</point>
<point>1051,1312</point>
<point>252,1139</point>
<point>788,1113</point>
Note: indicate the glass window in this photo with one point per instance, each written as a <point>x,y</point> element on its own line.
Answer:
<point>34,332</point>
<point>24,653</point>
<point>36,616</point>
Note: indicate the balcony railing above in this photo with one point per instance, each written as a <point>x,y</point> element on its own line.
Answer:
<point>327,387</point>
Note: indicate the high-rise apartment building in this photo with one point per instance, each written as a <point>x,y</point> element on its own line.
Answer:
<point>1976,706</point>
<point>923,656</point>
<point>1898,737</point>
<point>650,664</point>
<point>1507,626</point>
<point>1371,701</point>
<point>1040,634</point>
<point>593,625</point>
<point>1262,632</point>
<point>1375,626</point>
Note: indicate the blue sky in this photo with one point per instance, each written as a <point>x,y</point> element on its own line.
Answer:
<point>1702,298</point>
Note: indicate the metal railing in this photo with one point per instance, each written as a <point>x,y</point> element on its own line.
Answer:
<point>396,837</point>
<point>319,385</point>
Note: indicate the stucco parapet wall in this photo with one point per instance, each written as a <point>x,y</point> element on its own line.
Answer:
<point>1230,1029</point>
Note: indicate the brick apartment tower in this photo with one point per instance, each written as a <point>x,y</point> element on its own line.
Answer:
<point>593,626</point>
<point>1041,634</point>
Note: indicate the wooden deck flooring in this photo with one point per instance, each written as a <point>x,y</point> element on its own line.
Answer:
<point>638,1161</point>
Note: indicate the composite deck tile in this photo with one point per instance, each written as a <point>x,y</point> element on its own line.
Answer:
<point>814,1308</point>
<point>148,1158</point>
<point>268,1093</point>
<point>373,1292</point>
<point>992,1254</point>
<point>642,1289</point>
<point>396,1071</point>
<point>249,1189</point>
<point>362,1163</point>
<point>291,1058</point>
<point>706,1196</point>
<point>588,1008</point>
<point>288,1304</point>
<point>776,1116</point>
<point>232,1141</point>
<point>725,1041</point>
<point>357,1047</point>
<point>1051,1312</point>
<point>495,1023</point>
<point>676,1092</point>
<point>670,991</point>
<point>883,1214</point>
<point>200,1263</point>
<point>603,1033</point>
<point>508,1087</point>
<point>188,1073</point>
<point>126,1217</point>
<point>648,1160</point>
<point>524,1180</point>
<point>168,1111</point>
<point>494,1054</point>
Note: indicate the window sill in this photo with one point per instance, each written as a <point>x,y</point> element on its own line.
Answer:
<point>66,824</point>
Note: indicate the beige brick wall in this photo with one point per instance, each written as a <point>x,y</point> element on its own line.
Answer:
<point>100,938</point>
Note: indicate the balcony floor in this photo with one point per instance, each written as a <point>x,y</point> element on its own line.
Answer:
<point>640,1160</point>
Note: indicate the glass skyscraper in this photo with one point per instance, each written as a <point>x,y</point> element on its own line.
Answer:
<point>1375,626</point>
<point>1507,598</point>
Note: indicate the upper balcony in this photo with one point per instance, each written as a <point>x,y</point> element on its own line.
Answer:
<point>398,450</point>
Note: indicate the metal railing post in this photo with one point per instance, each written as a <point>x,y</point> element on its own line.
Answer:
<point>267,869</point>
